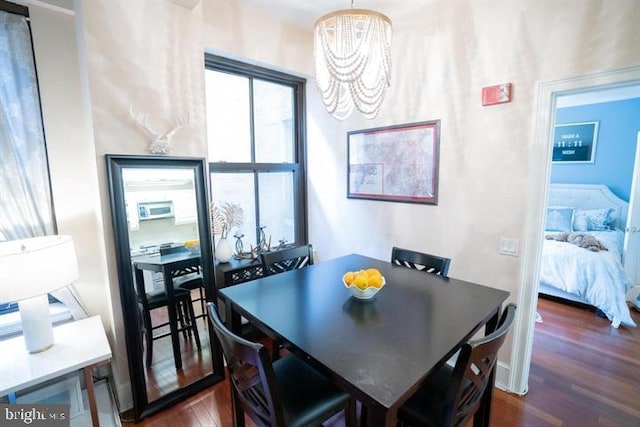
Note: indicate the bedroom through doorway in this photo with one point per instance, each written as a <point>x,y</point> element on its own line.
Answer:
<point>550,94</point>
<point>591,244</point>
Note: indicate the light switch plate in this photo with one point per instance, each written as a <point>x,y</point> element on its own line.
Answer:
<point>508,246</point>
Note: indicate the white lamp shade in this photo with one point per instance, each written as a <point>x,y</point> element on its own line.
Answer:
<point>36,266</point>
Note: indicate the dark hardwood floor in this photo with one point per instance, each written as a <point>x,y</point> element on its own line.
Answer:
<point>583,373</point>
<point>162,376</point>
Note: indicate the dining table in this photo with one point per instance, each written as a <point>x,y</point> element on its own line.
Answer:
<point>171,266</point>
<point>379,350</point>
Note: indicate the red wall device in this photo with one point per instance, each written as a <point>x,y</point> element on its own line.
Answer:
<point>497,94</point>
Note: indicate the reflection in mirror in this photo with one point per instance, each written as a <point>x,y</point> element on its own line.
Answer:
<point>161,226</point>
<point>162,218</point>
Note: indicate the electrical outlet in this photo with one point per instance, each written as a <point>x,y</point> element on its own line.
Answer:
<point>508,246</point>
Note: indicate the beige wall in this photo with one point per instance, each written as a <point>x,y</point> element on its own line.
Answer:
<point>71,153</point>
<point>149,54</point>
<point>443,56</point>
<point>256,35</point>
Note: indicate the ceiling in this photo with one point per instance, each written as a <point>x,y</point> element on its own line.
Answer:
<point>304,13</point>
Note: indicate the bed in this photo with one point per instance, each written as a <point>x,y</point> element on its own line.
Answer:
<point>596,278</point>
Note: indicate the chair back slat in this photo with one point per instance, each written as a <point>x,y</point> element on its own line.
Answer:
<point>287,259</point>
<point>420,261</point>
<point>187,277</point>
<point>251,374</point>
<point>141,292</point>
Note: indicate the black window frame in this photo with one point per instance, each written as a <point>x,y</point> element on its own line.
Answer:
<point>298,167</point>
<point>18,9</point>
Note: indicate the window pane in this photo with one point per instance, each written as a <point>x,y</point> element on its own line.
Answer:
<point>228,117</point>
<point>277,206</point>
<point>274,130</point>
<point>237,188</point>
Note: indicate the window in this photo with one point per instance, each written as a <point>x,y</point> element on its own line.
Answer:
<point>25,199</point>
<point>25,202</point>
<point>255,122</point>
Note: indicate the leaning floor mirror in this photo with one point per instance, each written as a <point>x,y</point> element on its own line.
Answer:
<point>162,240</point>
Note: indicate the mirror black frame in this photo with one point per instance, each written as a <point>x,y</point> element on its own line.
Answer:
<point>135,357</point>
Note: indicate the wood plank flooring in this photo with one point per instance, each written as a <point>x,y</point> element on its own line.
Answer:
<point>162,376</point>
<point>583,373</point>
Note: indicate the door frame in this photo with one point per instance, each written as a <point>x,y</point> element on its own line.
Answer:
<point>631,227</point>
<point>539,173</point>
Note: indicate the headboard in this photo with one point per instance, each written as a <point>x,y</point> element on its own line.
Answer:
<point>589,196</point>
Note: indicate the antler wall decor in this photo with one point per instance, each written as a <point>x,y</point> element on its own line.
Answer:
<point>160,143</point>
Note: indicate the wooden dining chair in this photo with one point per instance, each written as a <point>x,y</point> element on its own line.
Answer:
<point>287,392</point>
<point>152,300</point>
<point>286,259</point>
<point>420,261</point>
<point>190,281</point>
<point>452,395</point>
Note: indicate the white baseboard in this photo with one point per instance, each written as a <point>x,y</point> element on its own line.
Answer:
<point>503,375</point>
<point>503,379</point>
<point>125,398</point>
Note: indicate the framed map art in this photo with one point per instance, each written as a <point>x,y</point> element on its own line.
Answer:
<point>395,163</point>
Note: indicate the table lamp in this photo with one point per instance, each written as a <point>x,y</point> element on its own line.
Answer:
<point>29,270</point>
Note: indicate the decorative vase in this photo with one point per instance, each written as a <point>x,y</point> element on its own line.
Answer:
<point>224,251</point>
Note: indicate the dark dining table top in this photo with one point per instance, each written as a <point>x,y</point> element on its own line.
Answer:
<point>380,349</point>
<point>157,262</point>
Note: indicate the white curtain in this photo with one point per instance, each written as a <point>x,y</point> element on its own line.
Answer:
<point>26,207</point>
<point>25,197</point>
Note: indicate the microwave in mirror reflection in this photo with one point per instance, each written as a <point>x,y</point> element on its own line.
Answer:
<point>155,210</point>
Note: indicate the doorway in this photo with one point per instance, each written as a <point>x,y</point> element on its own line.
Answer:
<point>540,170</point>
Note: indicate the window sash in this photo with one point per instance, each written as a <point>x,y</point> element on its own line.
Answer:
<point>297,166</point>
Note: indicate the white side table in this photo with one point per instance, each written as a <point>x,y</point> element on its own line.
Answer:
<point>77,345</point>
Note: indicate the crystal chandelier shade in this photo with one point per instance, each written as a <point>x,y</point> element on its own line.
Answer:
<point>353,61</point>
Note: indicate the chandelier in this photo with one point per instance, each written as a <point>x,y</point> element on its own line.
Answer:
<point>352,51</point>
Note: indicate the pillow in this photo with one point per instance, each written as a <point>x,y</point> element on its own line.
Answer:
<point>559,218</point>
<point>593,219</point>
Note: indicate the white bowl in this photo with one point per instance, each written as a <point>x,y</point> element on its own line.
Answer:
<point>367,293</point>
<point>194,249</point>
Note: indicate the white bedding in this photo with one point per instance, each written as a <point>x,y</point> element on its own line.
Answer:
<point>598,277</point>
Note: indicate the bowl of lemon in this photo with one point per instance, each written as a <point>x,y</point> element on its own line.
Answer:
<point>193,246</point>
<point>363,284</point>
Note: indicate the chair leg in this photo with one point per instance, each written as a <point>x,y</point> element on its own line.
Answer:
<point>363,415</point>
<point>188,315</point>
<point>202,304</point>
<point>146,320</point>
<point>193,324</point>
<point>350,416</point>
<point>180,312</point>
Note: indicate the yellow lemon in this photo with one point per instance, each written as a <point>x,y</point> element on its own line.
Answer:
<point>348,277</point>
<point>361,281</point>
<point>373,272</point>
<point>375,281</point>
